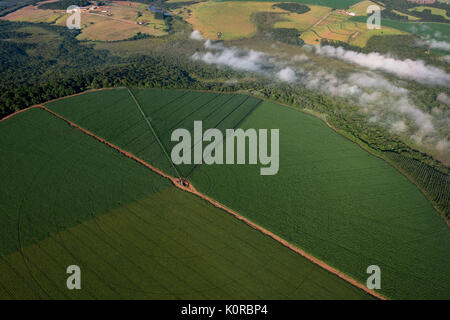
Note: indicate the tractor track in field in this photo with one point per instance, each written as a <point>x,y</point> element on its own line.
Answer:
<point>191,189</point>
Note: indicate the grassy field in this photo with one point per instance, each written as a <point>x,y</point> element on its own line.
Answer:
<point>435,11</point>
<point>438,31</point>
<point>101,28</point>
<point>33,14</point>
<point>330,197</point>
<point>360,8</point>
<point>339,203</point>
<point>233,19</point>
<point>69,199</point>
<point>122,24</point>
<point>304,20</point>
<point>339,27</point>
<point>340,4</point>
<point>410,17</point>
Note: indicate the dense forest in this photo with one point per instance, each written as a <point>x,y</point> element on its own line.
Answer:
<point>292,7</point>
<point>11,8</point>
<point>64,4</point>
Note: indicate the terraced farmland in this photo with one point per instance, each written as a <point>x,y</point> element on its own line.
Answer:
<point>68,199</point>
<point>330,198</point>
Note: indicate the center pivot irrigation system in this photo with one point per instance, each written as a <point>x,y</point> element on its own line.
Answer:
<point>148,120</point>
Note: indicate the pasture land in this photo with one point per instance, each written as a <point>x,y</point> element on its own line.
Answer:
<point>339,203</point>
<point>69,199</point>
<point>341,4</point>
<point>339,27</point>
<point>303,21</point>
<point>360,8</point>
<point>33,14</point>
<point>435,11</point>
<point>232,18</point>
<point>410,17</point>
<point>95,25</point>
<point>330,197</point>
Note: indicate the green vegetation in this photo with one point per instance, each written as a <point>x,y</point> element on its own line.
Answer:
<point>265,22</point>
<point>400,9</point>
<point>114,116</point>
<point>437,183</point>
<point>341,4</point>
<point>62,65</point>
<point>340,204</point>
<point>293,7</point>
<point>54,177</point>
<point>437,31</point>
<point>64,4</point>
<point>5,10</point>
<point>403,47</point>
<point>73,200</point>
<point>330,197</point>
<point>430,11</point>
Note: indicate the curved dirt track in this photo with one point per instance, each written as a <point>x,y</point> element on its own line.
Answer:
<point>191,189</point>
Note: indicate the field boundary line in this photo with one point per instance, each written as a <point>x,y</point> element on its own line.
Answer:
<point>17,112</point>
<point>177,183</point>
<point>147,119</point>
<point>398,169</point>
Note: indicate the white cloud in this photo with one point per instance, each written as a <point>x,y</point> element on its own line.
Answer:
<point>435,44</point>
<point>286,75</point>
<point>383,101</point>
<point>247,60</point>
<point>196,35</point>
<point>407,69</point>
<point>444,98</point>
<point>300,58</point>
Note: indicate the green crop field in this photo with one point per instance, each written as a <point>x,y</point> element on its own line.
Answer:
<point>115,117</point>
<point>436,183</point>
<point>68,199</point>
<point>330,197</point>
<point>339,203</point>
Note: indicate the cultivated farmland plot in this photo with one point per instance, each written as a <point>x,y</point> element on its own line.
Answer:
<point>67,199</point>
<point>339,203</point>
<point>330,197</point>
<point>118,120</point>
